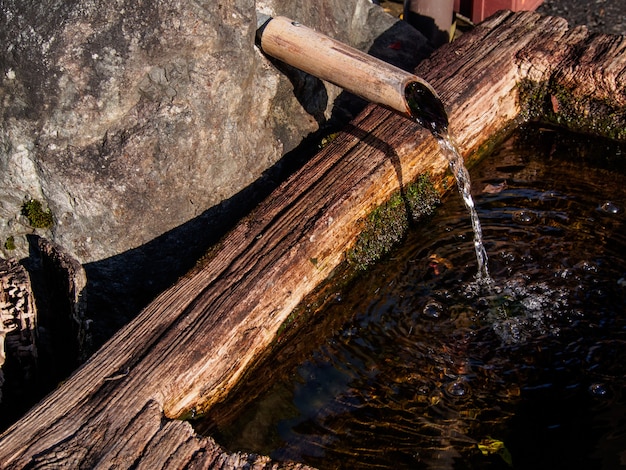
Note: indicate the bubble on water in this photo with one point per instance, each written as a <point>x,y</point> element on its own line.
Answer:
<point>564,273</point>
<point>532,303</point>
<point>586,266</point>
<point>511,330</point>
<point>478,287</point>
<point>598,390</point>
<point>524,217</point>
<point>433,309</point>
<point>350,332</point>
<point>507,256</point>
<point>443,295</point>
<point>457,389</point>
<point>609,207</point>
<point>521,310</point>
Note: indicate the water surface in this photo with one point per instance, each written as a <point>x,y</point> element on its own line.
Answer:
<point>416,365</point>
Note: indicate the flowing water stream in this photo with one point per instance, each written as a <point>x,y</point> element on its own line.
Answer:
<point>415,365</point>
<point>464,184</point>
<point>428,111</point>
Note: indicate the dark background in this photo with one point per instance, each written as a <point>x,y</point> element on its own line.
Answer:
<point>603,16</point>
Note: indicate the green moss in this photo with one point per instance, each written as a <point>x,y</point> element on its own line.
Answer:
<point>289,322</point>
<point>421,197</point>
<point>9,244</point>
<point>531,97</point>
<point>327,139</point>
<point>387,224</point>
<point>382,229</point>
<point>554,104</point>
<point>36,215</point>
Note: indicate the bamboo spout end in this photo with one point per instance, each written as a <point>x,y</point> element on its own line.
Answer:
<point>425,107</point>
<point>353,70</point>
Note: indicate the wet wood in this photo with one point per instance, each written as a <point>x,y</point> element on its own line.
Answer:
<point>186,350</point>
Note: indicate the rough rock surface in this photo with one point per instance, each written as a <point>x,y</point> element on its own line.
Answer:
<point>147,128</point>
<point>603,16</point>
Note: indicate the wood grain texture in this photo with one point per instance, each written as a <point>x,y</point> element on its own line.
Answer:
<point>188,348</point>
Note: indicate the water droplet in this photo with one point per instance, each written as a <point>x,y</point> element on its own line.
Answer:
<point>598,390</point>
<point>586,266</point>
<point>564,273</point>
<point>350,332</point>
<point>609,207</point>
<point>433,309</point>
<point>443,294</point>
<point>457,389</point>
<point>532,303</point>
<point>524,217</point>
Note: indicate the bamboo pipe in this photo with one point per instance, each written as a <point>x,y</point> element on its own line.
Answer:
<point>354,71</point>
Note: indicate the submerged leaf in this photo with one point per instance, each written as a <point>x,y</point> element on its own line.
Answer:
<point>495,188</point>
<point>490,446</point>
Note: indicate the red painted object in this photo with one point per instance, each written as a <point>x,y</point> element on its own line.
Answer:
<point>478,10</point>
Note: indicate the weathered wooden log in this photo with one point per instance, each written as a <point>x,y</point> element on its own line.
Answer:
<point>189,347</point>
<point>18,320</point>
<point>45,338</point>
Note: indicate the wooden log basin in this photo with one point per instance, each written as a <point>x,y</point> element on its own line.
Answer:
<point>190,346</point>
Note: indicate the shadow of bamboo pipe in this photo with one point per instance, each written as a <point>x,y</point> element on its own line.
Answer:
<point>361,74</point>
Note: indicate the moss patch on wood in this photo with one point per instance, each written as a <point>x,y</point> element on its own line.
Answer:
<point>555,104</point>
<point>387,224</point>
<point>382,229</point>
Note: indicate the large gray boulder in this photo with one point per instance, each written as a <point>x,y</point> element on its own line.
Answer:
<point>146,127</point>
